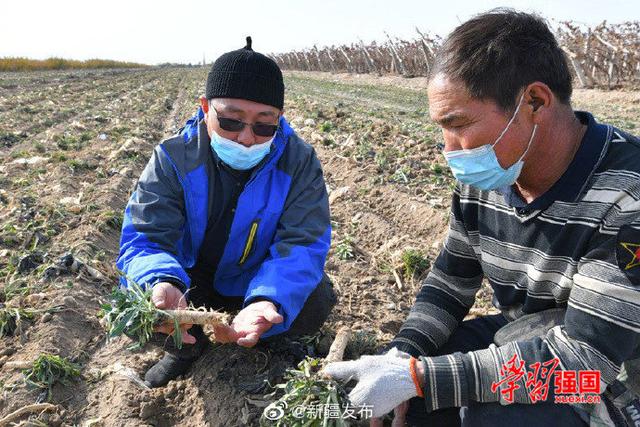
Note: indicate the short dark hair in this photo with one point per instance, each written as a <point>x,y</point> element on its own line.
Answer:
<point>497,53</point>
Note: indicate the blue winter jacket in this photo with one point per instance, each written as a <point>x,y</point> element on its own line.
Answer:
<point>279,237</point>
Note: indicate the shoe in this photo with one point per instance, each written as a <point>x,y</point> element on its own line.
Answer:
<point>176,362</point>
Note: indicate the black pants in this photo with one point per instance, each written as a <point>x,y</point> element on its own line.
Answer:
<point>312,316</point>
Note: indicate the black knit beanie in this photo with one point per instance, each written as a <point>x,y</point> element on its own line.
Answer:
<point>246,74</point>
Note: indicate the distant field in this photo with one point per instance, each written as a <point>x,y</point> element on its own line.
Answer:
<point>26,64</point>
<point>72,144</point>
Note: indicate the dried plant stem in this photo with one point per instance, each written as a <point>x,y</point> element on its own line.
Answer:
<point>18,364</point>
<point>29,409</point>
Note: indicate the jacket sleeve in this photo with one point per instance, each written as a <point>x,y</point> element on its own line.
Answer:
<point>447,293</point>
<point>153,225</point>
<point>295,263</point>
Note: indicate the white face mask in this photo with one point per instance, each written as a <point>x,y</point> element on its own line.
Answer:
<point>237,155</point>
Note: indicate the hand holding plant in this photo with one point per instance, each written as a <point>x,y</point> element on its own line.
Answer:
<point>165,296</point>
<point>135,311</point>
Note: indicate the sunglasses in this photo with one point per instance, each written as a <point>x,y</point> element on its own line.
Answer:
<point>233,125</point>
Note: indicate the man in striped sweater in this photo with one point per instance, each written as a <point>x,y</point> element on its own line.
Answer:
<point>547,209</point>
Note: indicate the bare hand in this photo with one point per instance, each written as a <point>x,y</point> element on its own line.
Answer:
<point>167,297</point>
<point>250,323</point>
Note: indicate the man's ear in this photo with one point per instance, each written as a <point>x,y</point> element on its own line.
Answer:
<point>539,95</point>
<point>204,103</point>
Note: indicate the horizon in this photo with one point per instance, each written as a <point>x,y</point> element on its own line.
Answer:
<point>154,33</point>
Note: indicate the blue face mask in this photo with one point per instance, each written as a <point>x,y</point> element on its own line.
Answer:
<point>237,155</point>
<point>480,167</point>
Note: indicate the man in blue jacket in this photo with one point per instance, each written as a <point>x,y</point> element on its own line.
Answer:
<point>232,214</point>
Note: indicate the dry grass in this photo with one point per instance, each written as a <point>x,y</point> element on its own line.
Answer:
<point>26,64</point>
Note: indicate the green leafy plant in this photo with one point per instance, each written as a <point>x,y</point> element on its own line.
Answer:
<point>58,156</point>
<point>49,369</point>
<point>79,165</point>
<point>111,219</point>
<point>310,398</point>
<point>385,157</point>
<point>414,263</point>
<point>364,150</point>
<point>132,312</point>
<point>305,389</point>
<point>20,154</point>
<point>326,126</point>
<point>401,175</point>
<point>361,343</point>
<point>40,148</point>
<point>344,249</point>
<point>13,287</point>
<point>66,142</point>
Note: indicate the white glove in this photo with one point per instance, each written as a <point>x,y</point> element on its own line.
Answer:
<point>384,381</point>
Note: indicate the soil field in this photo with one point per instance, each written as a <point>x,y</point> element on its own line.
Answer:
<point>72,145</point>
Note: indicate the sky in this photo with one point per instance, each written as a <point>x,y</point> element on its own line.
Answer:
<point>184,31</point>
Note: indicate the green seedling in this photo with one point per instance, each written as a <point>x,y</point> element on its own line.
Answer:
<point>437,169</point>
<point>11,319</point>
<point>361,343</point>
<point>401,175</point>
<point>66,142</point>
<point>344,249</point>
<point>326,127</point>
<point>414,263</point>
<point>111,219</point>
<point>364,150</point>
<point>306,389</point>
<point>49,369</point>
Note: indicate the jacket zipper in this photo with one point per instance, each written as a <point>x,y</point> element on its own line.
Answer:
<point>248,246</point>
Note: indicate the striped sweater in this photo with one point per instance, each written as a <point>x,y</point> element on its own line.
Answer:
<point>572,247</point>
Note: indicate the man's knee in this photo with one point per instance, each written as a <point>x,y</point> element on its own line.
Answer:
<point>316,309</point>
